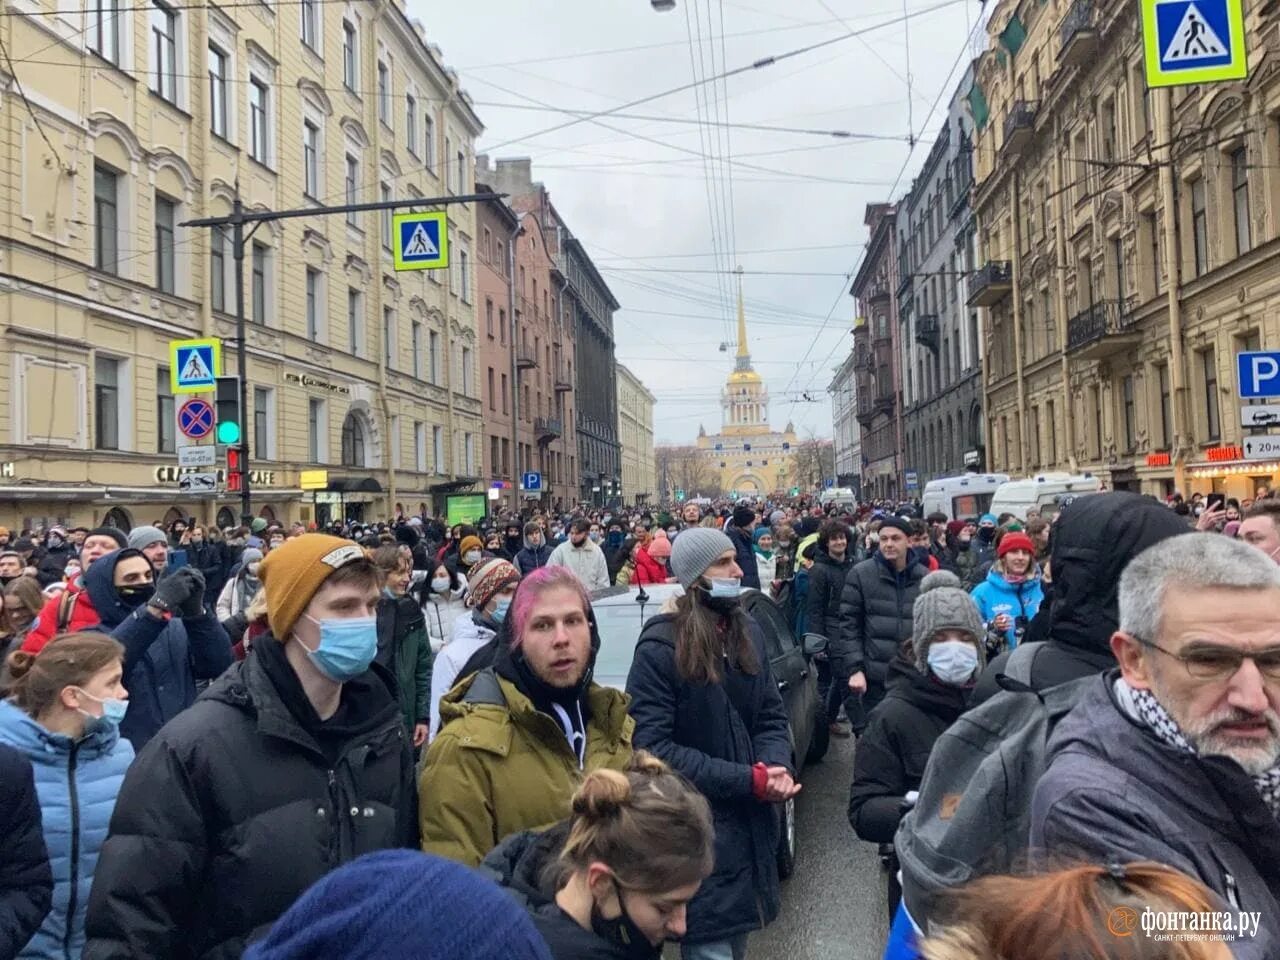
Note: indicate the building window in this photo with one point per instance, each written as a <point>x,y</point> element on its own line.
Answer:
<point>104,29</point>
<point>464,266</point>
<point>1166,406</point>
<point>411,123</point>
<point>310,159</point>
<point>493,399</point>
<point>1052,417</point>
<point>164,51</point>
<point>310,23</point>
<point>315,430</point>
<point>416,335</point>
<point>1095,397</point>
<point>350,63</point>
<point>218,243</point>
<point>429,141</point>
<point>1199,227</point>
<point>462,172</point>
<point>354,333</point>
<point>385,193</point>
<point>389,337</point>
<point>219,88</point>
<point>258,120</point>
<point>313,304</point>
<point>262,423</point>
<point>1212,423</point>
<point>494,458</point>
<point>502,326</point>
<point>352,184</point>
<point>353,452</point>
<point>106,224</point>
<point>1240,200</point>
<point>504,393</point>
<point>433,357</point>
<point>488,317</point>
<point>384,93</point>
<point>259,283</point>
<point>449,178</point>
<point>467,378</point>
<point>165,441</point>
<point>165,218</point>
<point>420,446</point>
<point>437,449</point>
<point>469,454</point>
<point>1130,422</point>
<point>106,403</point>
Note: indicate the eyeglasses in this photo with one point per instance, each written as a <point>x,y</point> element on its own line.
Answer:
<point>1215,662</point>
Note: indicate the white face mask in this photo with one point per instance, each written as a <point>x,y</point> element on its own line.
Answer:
<point>953,662</point>
<point>471,556</point>
<point>440,584</point>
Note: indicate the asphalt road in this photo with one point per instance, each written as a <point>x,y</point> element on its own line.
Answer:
<point>833,907</point>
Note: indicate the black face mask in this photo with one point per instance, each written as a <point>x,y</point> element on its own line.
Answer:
<point>133,597</point>
<point>987,533</point>
<point>623,932</point>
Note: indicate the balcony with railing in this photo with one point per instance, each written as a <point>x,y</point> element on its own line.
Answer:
<point>563,383</point>
<point>1019,125</point>
<point>547,429</point>
<point>526,358</point>
<point>928,329</point>
<point>877,289</point>
<point>990,283</point>
<point>1103,329</point>
<point>862,360</point>
<point>1079,35</point>
<point>962,174</point>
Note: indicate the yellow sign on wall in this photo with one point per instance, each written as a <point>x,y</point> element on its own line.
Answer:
<point>421,241</point>
<point>313,479</point>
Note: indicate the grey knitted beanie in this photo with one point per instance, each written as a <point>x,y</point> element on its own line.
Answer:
<point>145,536</point>
<point>942,604</point>
<point>694,550</point>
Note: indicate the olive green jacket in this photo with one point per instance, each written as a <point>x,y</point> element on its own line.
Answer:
<point>498,769</point>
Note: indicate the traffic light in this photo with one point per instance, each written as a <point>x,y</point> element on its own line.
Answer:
<point>234,473</point>
<point>227,412</point>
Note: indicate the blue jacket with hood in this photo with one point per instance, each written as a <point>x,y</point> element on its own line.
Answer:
<point>996,595</point>
<point>163,659</point>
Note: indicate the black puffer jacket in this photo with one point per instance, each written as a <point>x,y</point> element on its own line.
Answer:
<point>520,864</point>
<point>746,555</point>
<point>237,806</point>
<point>826,582</point>
<point>875,617</point>
<point>894,750</point>
<point>26,882</point>
<point>712,734</point>
<point>1093,541</point>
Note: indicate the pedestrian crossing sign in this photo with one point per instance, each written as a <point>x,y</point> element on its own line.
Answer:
<point>421,241</point>
<point>194,365</point>
<point>1193,41</point>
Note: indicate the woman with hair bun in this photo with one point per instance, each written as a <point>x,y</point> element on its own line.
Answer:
<point>64,712</point>
<point>613,882</point>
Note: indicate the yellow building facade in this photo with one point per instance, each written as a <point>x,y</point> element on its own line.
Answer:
<point>133,119</point>
<point>750,458</point>
<point>1129,248</point>
<point>635,433</point>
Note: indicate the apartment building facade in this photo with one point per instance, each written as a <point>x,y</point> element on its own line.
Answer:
<point>846,432</point>
<point>137,120</point>
<point>1127,250</point>
<point>635,434</point>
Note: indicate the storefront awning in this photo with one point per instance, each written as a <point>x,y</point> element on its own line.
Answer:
<point>354,485</point>
<point>454,486</point>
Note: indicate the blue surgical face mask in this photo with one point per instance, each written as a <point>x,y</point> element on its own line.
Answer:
<point>347,646</point>
<point>725,587</point>
<point>113,710</point>
<point>953,662</point>
<point>500,608</point>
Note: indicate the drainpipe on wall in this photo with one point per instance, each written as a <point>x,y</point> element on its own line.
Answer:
<point>1169,199</point>
<point>516,469</point>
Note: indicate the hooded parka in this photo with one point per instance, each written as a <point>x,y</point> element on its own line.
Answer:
<point>26,884</point>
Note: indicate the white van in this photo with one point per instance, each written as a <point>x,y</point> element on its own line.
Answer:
<point>840,496</point>
<point>1047,492</point>
<point>966,497</point>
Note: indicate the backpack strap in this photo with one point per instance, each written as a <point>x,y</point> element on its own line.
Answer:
<point>66,605</point>
<point>485,690</point>
<point>1019,665</point>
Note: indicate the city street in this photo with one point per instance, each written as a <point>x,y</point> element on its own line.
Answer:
<point>833,908</point>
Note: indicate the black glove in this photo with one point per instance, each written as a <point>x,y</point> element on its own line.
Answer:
<point>194,606</point>
<point>174,593</point>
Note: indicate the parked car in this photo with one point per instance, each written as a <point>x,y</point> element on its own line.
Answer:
<point>621,613</point>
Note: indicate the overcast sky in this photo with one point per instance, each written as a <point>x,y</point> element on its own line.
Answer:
<point>640,193</point>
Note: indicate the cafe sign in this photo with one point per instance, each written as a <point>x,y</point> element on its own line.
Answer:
<point>257,478</point>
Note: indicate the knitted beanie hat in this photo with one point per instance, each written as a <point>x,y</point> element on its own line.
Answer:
<point>660,546</point>
<point>258,524</point>
<point>397,904</point>
<point>1015,540</point>
<point>942,604</point>
<point>115,533</point>
<point>293,572</point>
<point>487,578</point>
<point>694,550</point>
<point>140,537</point>
<point>468,544</point>
<point>248,555</point>
<point>742,516</point>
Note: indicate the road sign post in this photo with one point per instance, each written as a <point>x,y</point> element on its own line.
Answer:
<point>421,241</point>
<point>1258,374</point>
<point>1260,415</point>
<point>194,419</point>
<point>1193,41</point>
<point>194,365</point>
<point>1266,447</point>
<point>532,482</point>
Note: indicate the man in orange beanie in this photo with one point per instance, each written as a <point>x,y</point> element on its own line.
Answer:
<point>292,763</point>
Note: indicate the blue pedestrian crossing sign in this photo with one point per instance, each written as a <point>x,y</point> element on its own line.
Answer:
<point>421,241</point>
<point>1193,41</point>
<point>194,365</point>
<point>533,482</point>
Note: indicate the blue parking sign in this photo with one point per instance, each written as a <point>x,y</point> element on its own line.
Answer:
<point>1258,373</point>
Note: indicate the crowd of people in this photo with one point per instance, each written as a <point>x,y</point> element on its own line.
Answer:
<point>259,741</point>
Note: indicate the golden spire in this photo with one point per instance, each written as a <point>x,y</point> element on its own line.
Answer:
<point>743,353</point>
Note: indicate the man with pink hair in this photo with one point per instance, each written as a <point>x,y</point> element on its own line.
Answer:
<point>516,738</point>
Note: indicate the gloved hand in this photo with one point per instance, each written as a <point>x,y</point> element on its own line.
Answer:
<point>174,593</point>
<point>194,607</point>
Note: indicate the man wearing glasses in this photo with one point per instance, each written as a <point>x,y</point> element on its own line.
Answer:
<point>1175,756</point>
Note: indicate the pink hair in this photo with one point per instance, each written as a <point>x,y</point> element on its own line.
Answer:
<point>535,586</point>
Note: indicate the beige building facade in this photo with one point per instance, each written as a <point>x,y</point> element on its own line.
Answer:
<point>139,120</point>
<point>1128,250</point>
<point>635,433</point>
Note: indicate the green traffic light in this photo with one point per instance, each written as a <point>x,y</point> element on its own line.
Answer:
<point>228,432</point>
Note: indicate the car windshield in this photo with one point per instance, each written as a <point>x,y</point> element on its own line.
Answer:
<point>620,624</point>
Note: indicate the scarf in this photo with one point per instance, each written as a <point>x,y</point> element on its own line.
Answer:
<point>1143,706</point>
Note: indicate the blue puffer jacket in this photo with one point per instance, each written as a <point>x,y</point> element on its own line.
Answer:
<point>162,659</point>
<point>996,595</point>
<point>77,782</point>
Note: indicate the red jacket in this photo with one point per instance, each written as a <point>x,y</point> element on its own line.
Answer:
<point>45,627</point>
<point>648,570</point>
